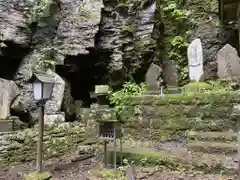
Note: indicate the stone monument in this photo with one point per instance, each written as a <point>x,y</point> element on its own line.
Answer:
<point>153,79</point>
<point>228,62</point>
<point>195,60</point>
<point>8,91</point>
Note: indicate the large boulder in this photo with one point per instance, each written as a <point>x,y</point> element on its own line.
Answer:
<point>8,91</point>
<point>54,105</point>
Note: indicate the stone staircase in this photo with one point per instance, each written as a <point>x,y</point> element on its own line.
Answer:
<point>212,142</point>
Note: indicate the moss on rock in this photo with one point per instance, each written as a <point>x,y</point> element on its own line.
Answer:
<point>193,98</point>
<point>196,87</point>
<point>20,146</point>
<point>38,176</point>
<point>172,161</point>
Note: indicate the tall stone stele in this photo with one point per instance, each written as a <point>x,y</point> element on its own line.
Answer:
<point>195,60</point>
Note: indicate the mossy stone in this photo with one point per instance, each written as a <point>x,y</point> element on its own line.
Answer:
<point>196,87</point>
<point>38,176</point>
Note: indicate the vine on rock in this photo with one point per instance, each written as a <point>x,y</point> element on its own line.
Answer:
<point>176,34</point>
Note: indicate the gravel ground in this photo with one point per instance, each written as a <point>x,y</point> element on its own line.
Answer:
<point>80,171</point>
<point>61,168</point>
<point>188,175</point>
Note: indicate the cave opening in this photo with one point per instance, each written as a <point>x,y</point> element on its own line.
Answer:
<point>11,56</point>
<point>83,72</point>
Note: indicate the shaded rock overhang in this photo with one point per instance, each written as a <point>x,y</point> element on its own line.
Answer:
<point>228,10</point>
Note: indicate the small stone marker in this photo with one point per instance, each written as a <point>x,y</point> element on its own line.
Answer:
<point>153,78</point>
<point>8,91</point>
<point>228,62</point>
<point>130,173</point>
<point>170,73</point>
<point>195,60</point>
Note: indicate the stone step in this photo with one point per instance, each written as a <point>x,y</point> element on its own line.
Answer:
<point>183,123</point>
<point>6,125</point>
<point>182,110</point>
<point>104,114</point>
<point>212,147</point>
<point>149,157</point>
<point>212,136</point>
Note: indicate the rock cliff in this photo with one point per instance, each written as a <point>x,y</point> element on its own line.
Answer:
<point>89,42</point>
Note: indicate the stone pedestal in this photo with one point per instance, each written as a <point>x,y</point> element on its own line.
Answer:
<point>156,92</point>
<point>173,90</point>
<point>6,125</point>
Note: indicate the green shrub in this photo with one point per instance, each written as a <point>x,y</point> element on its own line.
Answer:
<point>129,89</point>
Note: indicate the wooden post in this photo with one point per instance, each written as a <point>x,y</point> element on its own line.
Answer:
<point>115,149</point>
<point>105,154</point>
<point>121,159</point>
<point>40,139</point>
<point>238,144</point>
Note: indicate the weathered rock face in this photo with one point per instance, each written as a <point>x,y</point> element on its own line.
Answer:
<point>212,34</point>
<point>54,105</point>
<point>78,26</point>
<point>13,22</point>
<point>117,38</point>
<point>124,38</point>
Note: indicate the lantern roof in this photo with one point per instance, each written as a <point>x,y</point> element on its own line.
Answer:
<point>42,78</point>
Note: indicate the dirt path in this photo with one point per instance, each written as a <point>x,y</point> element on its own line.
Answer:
<point>62,169</point>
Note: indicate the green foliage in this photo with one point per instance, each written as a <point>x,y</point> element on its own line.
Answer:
<point>179,43</point>
<point>175,20</point>
<point>122,4</point>
<point>119,174</point>
<point>172,11</point>
<point>37,176</point>
<point>40,9</point>
<point>129,89</point>
<point>127,30</point>
<point>112,175</point>
<point>220,85</point>
<point>46,59</point>
<point>193,87</point>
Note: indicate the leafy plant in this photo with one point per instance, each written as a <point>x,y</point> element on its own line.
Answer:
<point>171,10</point>
<point>129,89</point>
<point>220,85</point>
<point>176,25</point>
<point>116,175</point>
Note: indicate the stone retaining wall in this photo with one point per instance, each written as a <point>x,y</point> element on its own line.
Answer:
<point>20,146</point>
<point>146,118</point>
<point>171,116</point>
